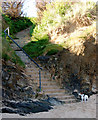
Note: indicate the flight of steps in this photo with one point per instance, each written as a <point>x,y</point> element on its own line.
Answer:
<point>49,86</point>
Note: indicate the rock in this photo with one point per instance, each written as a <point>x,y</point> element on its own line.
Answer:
<point>54,101</point>
<point>56,58</point>
<point>25,107</point>
<point>21,82</point>
<point>9,110</point>
<point>76,90</point>
<point>75,93</point>
<point>43,58</point>
<point>94,89</point>
<point>5,75</point>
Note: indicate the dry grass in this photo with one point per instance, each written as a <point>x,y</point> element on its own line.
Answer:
<point>80,16</point>
<point>12,8</point>
<point>75,42</point>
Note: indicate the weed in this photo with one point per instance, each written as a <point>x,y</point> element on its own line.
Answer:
<point>9,54</point>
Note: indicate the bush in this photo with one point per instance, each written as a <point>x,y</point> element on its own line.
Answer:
<point>17,24</point>
<point>9,54</point>
<point>32,29</point>
<point>12,8</point>
<point>41,47</point>
<point>59,18</point>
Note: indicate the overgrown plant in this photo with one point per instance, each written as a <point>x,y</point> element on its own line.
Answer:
<point>59,21</point>
<point>15,25</point>
<point>41,6</point>
<point>12,8</point>
<point>9,54</point>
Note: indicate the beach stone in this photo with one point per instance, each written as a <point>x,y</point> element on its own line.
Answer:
<point>25,107</point>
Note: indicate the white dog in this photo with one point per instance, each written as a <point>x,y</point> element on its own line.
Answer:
<point>83,97</point>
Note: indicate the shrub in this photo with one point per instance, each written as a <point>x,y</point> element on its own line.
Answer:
<point>9,54</point>
<point>59,19</point>
<point>16,25</point>
<point>12,8</point>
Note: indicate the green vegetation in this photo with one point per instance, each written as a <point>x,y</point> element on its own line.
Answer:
<point>17,24</point>
<point>59,14</point>
<point>36,48</point>
<point>9,54</point>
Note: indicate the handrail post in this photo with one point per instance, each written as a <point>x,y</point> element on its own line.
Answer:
<point>39,80</point>
<point>8,31</point>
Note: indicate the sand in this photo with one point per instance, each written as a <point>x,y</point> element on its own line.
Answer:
<point>73,110</point>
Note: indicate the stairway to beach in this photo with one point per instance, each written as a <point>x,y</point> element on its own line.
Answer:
<point>49,86</point>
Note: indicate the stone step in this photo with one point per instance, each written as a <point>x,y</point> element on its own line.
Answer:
<point>42,80</point>
<point>54,90</point>
<point>65,97</point>
<point>32,64</point>
<point>37,72</point>
<point>50,92</point>
<point>48,83</point>
<point>44,87</point>
<point>56,94</point>
<point>66,101</point>
<point>14,47</point>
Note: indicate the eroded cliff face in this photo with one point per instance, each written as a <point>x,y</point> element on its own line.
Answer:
<point>15,84</point>
<point>75,67</point>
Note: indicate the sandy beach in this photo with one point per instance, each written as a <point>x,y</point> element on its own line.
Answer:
<point>74,110</point>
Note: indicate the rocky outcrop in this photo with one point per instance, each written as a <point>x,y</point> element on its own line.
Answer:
<point>75,71</point>
<point>25,107</point>
<point>15,84</point>
<point>19,96</point>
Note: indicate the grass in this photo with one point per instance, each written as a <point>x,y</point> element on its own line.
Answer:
<point>75,42</point>
<point>9,54</point>
<point>16,24</point>
<point>60,12</point>
<point>56,16</point>
<point>41,47</point>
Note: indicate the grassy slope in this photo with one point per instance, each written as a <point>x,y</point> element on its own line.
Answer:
<point>58,26</point>
<point>15,26</point>
<point>9,54</point>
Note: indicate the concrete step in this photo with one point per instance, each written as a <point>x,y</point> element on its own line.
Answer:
<point>48,83</point>
<point>50,92</point>
<point>56,94</point>
<point>65,97</point>
<point>31,64</point>
<point>37,72</point>
<point>66,101</point>
<point>14,47</point>
<point>44,87</point>
<point>29,69</point>
<point>42,80</point>
<point>54,90</point>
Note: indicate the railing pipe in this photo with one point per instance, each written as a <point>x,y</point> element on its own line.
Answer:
<point>39,80</point>
<point>23,50</point>
<point>27,55</point>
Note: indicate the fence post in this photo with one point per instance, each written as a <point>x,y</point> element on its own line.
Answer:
<point>39,80</point>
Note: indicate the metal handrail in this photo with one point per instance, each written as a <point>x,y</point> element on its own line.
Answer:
<point>40,68</point>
